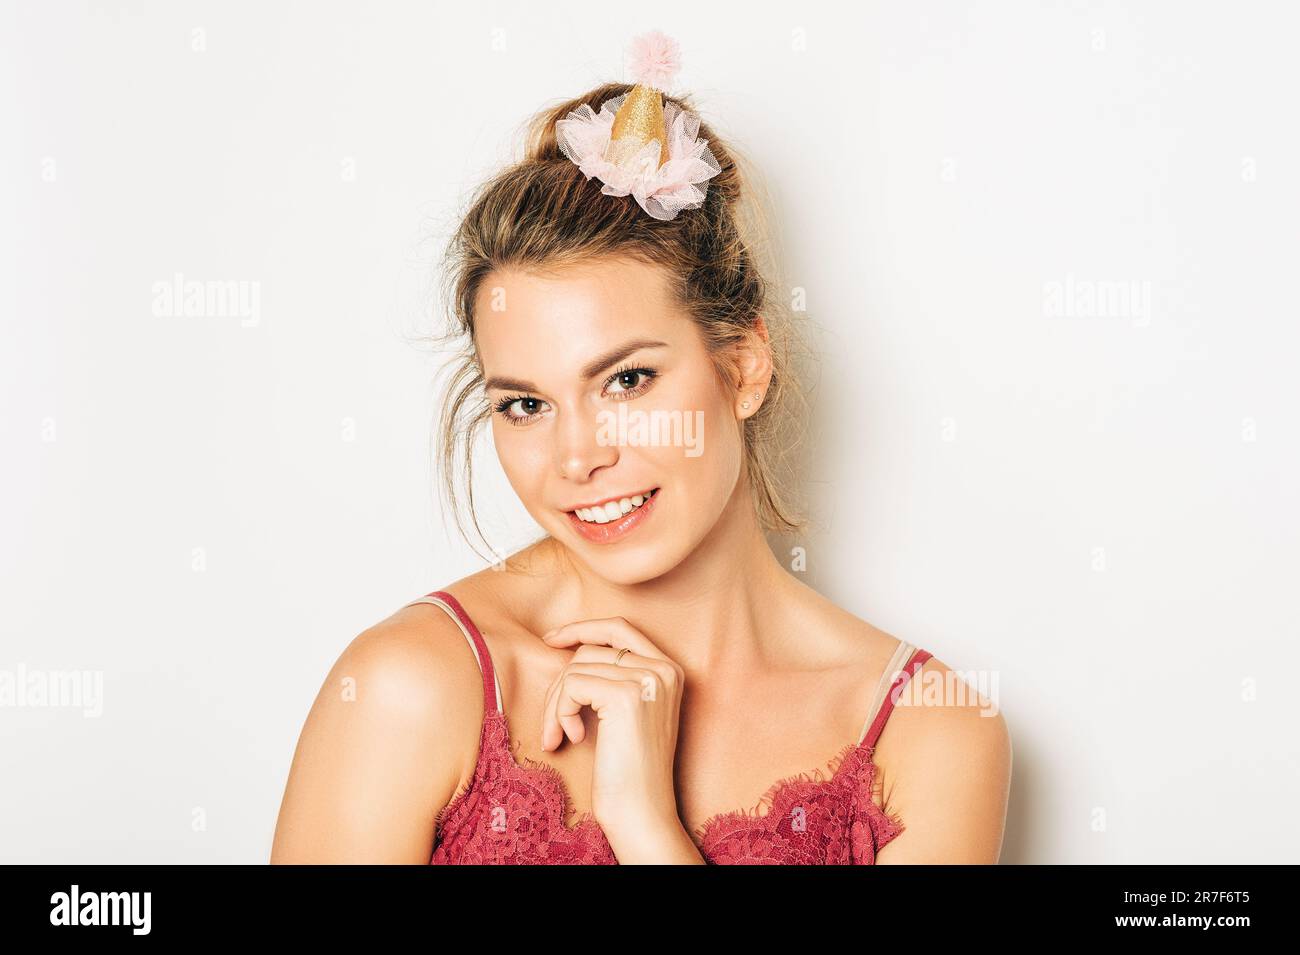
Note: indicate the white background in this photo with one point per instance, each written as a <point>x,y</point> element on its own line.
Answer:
<point>1098,509</point>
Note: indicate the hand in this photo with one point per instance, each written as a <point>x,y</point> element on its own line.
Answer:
<point>638,701</point>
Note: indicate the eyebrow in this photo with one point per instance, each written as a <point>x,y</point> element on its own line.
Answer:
<point>589,371</point>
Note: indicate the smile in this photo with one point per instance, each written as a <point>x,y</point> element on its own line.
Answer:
<point>615,518</point>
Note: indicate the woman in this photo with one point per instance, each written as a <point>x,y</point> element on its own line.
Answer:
<point>622,689</point>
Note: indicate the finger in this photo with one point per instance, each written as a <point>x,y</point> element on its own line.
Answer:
<point>593,653</point>
<point>588,684</point>
<point>559,721</point>
<point>598,689</point>
<point>610,631</point>
<point>553,732</point>
<point>615,633</point>
<point>554,729</point>
<point>602,653</point>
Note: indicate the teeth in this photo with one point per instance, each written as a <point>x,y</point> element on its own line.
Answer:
<point>612,510</point>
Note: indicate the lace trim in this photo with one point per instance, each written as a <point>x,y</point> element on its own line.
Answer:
<point>893,820</point>
<point>763,808</point>
<point>835,768</point>
<point>496,727</point>
<point>453,804</point>
<point>526,763</point>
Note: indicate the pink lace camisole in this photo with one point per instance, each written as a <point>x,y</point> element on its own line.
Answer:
<point>514,810</point>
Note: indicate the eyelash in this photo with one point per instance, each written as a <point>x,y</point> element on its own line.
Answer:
<point>503,405</point>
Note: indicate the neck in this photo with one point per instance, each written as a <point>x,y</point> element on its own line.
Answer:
<point>720,611</point>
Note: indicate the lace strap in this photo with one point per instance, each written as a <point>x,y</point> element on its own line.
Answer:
<point>491,685</point>
<point>891,684</point>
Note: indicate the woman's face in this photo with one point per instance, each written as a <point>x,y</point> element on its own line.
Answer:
<point>603,391</point>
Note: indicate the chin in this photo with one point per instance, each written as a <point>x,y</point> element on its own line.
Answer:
<point>627,572</point>
<point>626,564</point>
<point>623,564</point>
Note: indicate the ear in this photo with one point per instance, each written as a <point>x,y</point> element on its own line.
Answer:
<point>755,366</point>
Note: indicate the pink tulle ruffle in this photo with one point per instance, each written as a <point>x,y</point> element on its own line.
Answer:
<point>661,190</point>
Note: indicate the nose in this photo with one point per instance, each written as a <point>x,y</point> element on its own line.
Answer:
<point>580,450</point>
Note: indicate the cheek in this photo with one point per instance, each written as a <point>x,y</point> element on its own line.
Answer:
<point>523,461</point>
<point>710,466</point>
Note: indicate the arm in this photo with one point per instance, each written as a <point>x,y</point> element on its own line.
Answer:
<point>664,843</point>
<point>384,747</point>
<point>951,769</point>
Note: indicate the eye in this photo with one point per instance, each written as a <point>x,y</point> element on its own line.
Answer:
<point>630,382</point>
<point>530,408</point>
<point>623,384</point>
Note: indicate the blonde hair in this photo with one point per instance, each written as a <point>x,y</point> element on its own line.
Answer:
<point>542,213</point>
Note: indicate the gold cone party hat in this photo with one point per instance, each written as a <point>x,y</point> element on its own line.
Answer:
<point>655,59</point>
<point>638,121</point>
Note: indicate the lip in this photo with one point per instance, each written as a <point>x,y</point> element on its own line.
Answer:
<point>615,499</point>
<point>618,529</point>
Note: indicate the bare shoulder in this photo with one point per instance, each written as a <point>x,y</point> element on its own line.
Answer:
<point>946,708</point>
<point>942,709</point>
<point>392,734</point>
<point>948,756</point>
<point>416,662</point>
<point>857,638</point>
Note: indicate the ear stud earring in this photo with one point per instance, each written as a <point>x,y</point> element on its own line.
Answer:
<point>745,404</point>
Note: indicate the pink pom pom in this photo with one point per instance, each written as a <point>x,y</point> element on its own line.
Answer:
<point>654,60</point>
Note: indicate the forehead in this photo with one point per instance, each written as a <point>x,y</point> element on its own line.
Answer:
<point>595,299</point>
